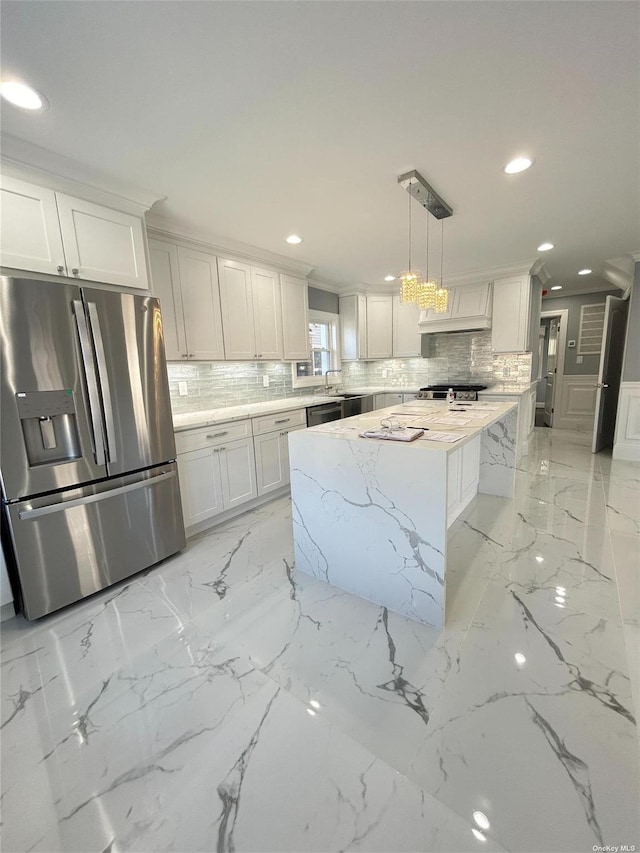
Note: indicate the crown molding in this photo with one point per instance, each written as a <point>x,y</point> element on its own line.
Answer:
<point>71,175</point>
<point>329,286</point>
<point>558,294</point>
<point>488,274</point>
<point>164,228</point>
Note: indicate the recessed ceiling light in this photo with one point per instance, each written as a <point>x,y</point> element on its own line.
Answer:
<point>389,278</point>
<point>21,95</point>
<point>482,820</point>
<point>545,247</point>
<point>520,658</point>
<point>478,834</point>
<point>557,287</point>
<point>518,165</point>
<point>294,239</point>
<point>584,272</point>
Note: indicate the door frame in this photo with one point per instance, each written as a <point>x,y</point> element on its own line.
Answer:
<point>563,313</point>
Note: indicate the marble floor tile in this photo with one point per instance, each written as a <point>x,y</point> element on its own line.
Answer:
<point>223,701</point>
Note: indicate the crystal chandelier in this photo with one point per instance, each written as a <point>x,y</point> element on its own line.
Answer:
<point>427,293</point>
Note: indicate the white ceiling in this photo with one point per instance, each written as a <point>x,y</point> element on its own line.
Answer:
<point>257,119</point>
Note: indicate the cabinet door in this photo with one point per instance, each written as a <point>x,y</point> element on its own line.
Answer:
<point>470,301</point>
<point>379,326</point>
<point>272,468</point>
<point>510,319</point>
<point>406,335</point>
<point>349,327</point>
<point>102,244</point>
<point>200,484</point>
<point>238,472</point>
<point>295,318</point>
<point>165,283</point>
<point>267,313</point>
<point>29,228</point>
<point>237,310</point>
<point>201,304</point>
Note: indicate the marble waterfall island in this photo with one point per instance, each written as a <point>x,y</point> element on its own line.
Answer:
<point>370,516</point>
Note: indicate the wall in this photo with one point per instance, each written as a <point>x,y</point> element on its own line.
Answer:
<point>631,367</point>
<point>465,356</point>
<point>322,300</point>
<point>591,363</point>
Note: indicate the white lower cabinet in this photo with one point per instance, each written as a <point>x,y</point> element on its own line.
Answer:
<point>217,470</point>
<point>381,401</point>
<point>272,447</point>
<point>463,474</point>
<point>272,460</point>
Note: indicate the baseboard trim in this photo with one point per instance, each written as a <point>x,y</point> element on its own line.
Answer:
<point>626,452</point>
<point>7,611</point>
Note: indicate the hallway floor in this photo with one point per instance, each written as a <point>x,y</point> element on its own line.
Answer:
<point>220,701</point>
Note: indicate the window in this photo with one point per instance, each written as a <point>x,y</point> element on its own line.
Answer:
<point>323,345</point>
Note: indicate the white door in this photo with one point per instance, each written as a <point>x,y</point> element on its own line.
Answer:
<point>610,371</point>
<point>165,284</point>
<point>201,305</point>
<point>552,369</point>
<point>379,326</point>
<point>29,228</point>
<point>102,244</point>
<point>237,310</point>
<point>200,484</point>
<point>267,313</point>
<point>295,318</point>
<point>272,469</point>
<point>238,472</point>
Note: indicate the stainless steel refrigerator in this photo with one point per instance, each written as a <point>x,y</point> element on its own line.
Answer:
<point>89,481</point>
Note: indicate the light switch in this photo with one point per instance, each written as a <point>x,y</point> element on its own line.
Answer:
<point>579,359</point>
<point>265,381</point>
<point>182,389</point>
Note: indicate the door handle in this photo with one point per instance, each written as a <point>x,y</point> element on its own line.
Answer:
<point>91,382</point>
<point>26,514</point>
<point>103,376</point>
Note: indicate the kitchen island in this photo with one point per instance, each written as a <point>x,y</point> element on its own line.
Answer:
<point>370,516</point>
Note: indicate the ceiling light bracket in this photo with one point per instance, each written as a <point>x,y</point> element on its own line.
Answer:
<point>418,188</point>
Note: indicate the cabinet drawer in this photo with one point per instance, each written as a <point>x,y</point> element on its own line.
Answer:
<point>281,421</point>
<point>211,436</point>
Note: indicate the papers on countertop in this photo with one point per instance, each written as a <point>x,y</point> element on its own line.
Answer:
<point>446,419</point>
<point>443,436</point>
<point>393,435</point>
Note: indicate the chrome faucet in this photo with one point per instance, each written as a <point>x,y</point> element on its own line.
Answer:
<point>326,380</point>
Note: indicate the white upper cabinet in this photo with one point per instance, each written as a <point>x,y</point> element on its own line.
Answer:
<point>165,281</point>
<point>511,311</point>
<point>29,229</point>
<point>267,313</point>
<point>47,231</point>
<point>251,311</point>
<point>101,244</point>
<point>295,318</point>
<point>186,282</point>
<point>379,326</point>
<point>406,335</point>
<point>353,326</point>
<point>201,304</point>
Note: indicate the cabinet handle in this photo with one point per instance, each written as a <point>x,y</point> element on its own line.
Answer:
<point>283,421</point>
<point>218,434</point>
<point>75,271</point>
<point>222,448</point>
<point>216,450</point>
<point>60,269</point>
<point>184,355</point>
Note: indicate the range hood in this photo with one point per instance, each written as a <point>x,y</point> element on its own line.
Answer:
<point>469,311</point>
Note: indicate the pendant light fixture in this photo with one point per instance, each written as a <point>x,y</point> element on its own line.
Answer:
<point>409,279</point>
<point>425,293</point>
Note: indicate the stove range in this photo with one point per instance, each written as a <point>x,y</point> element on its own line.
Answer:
<point>439,392</point>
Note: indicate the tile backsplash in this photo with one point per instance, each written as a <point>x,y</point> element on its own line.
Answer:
<point>463,356</point>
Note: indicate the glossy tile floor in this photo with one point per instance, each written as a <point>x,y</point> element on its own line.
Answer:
<point>221,702</point>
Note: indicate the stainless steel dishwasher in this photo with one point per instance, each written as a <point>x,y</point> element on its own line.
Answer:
<point>356,404</point>
<point>324,413</point>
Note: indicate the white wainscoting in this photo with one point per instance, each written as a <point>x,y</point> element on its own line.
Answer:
<point>576,407</point>
<point>626,444</point>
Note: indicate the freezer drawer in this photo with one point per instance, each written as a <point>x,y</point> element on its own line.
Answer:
<point>75,543</point>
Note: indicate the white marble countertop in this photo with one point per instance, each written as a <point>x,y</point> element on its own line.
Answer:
<point>191,420</point>
<point>413,414</point>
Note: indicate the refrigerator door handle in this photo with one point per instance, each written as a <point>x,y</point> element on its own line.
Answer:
<point>103,375</point>
<point>91,381</point>
<point>38,512</point>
